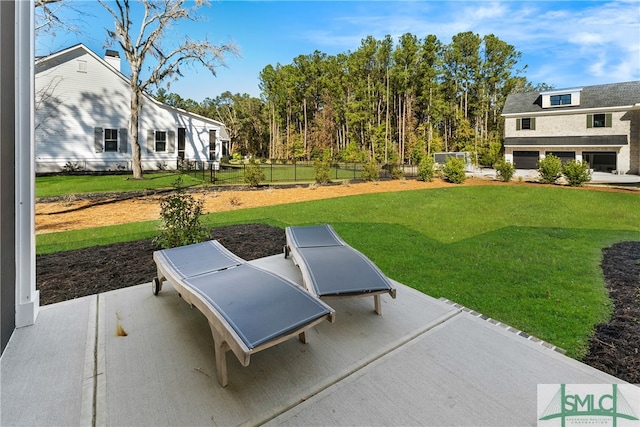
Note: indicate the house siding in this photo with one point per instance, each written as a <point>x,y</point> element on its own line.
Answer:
<point>566,122</point>
<point>65,129</point>
<point>73,103</point>
<point>633,118</point>
<point>576,125</point>
<point>569,125</point>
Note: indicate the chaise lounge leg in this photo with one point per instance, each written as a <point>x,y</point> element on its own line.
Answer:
<point>302,336</point>
<point>377,303</point>
<point>220,349</point>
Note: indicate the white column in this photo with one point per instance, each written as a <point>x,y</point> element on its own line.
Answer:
<point>508,156</point>
<point>27,298</point>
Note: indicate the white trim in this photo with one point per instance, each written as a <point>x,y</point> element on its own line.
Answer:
<point>547,112</point>
<point>538,146</point>
<point>27,297</point>
<point>561,91</point>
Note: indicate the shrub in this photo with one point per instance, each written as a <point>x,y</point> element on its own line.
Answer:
<point>322,166</point>
<point>454,170</point>
<point>396,171</point>
<point>370,171</point>
<point>425,169</point>
<point>576,172</point>
<point>504,170</point>
<point>253,174</point>
<point>180,214</point>
<point>71,167</point>
<point>550,169</point>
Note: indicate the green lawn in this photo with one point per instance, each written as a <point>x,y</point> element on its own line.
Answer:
<point>278,173</point>
<point>526,255</point>
<point>58,185</point>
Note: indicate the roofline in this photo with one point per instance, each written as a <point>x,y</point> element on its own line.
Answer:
<point>571,110</point>
<point>556,91</point>
<point>538,146</point>
<point>126,80</point>
<point>60,52</point>
<point>182,111</point>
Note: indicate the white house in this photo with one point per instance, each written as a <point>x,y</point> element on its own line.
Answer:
<point>597,124</point>
<point>82,119</point>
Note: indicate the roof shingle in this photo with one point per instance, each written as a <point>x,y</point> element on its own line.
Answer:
<point>599,96</point>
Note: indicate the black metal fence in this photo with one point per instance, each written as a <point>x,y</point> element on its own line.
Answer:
<point>234,173</point>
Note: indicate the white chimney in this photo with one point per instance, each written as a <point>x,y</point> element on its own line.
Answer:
<point>113,58</point>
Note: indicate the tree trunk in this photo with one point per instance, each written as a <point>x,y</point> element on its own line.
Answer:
<point>306,148</point>
<point>136,157</point>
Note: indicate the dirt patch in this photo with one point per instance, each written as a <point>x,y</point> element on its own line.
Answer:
<point>97,210</point>
<point>63,215</point>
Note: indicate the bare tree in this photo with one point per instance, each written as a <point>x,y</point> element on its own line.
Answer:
<point>47,17</point>
<point>147,46</point>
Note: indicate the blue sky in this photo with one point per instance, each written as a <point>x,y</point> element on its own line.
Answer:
<point>564,43</point>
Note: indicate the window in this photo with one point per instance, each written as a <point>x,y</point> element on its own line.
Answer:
<point>561,99</point>
<point>111,140</point>
<point>161,141</point>
<point>527,123</point>
<point>212,145</point>
<point>599,120</point>
<point>182,136</point>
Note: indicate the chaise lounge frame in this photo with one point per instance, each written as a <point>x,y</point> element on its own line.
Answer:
<point>226,335</point>
<point>342,271</point>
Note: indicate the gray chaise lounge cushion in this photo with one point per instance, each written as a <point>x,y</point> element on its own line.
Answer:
<point>332,268</point>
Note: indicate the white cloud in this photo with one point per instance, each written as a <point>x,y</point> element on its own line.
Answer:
<point>584,38</point>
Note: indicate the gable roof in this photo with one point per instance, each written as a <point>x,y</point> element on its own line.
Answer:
<point>610,95</point>
<point>60,56</point>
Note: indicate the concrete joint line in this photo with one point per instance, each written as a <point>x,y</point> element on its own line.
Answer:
<point>87,415</point>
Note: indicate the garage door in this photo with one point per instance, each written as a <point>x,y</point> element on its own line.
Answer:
<point>525,159</point>
<point>564,156</point>
<point>601,161</point>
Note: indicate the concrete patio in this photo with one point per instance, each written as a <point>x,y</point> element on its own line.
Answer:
<point>129,358</point>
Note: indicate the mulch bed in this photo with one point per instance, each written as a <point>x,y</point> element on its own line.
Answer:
<point>615,347</point>
<point>72,274</point>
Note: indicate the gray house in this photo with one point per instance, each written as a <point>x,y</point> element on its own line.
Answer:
<point>597,124</point>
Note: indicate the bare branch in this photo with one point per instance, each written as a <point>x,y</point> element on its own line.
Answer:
<point>47,105</point>
<point>158,17</point>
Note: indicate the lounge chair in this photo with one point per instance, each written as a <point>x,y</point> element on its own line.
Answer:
<point>248,308</point>
<point>333,269</point>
